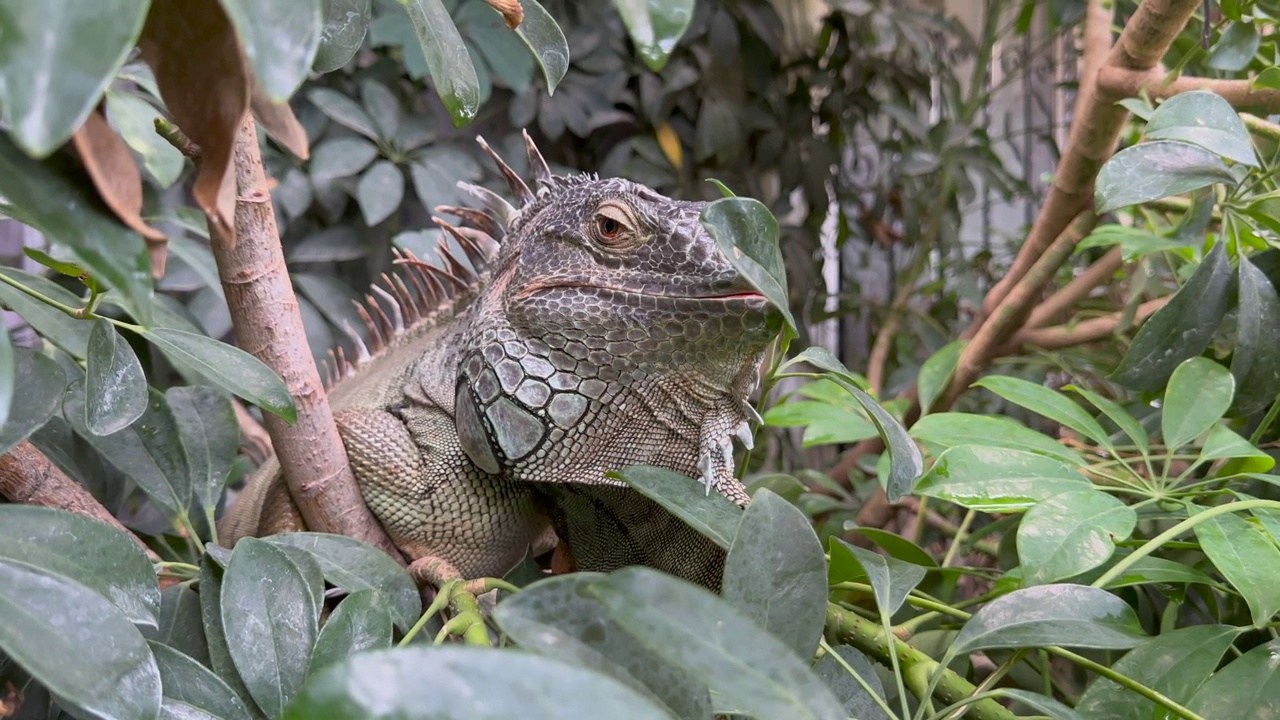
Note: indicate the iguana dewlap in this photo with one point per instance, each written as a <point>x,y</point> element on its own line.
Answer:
<point>595,327</point>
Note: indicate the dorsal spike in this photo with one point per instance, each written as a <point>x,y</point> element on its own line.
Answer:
<point>362,351</point>
<point>385,326</point>
<point>514,183</point>
<point>453,266</point>
<point>419,269</point>
<point>481,220</point>
<point>541,172</point>
<point>502,210</point>
<point>375,332</point>
<point>404,298</point>
<point>397,315</point>
<point>471,242</point>
<point>427,299</point>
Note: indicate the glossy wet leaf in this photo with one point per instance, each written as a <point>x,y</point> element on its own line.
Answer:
<point>37,393</point>
<point>559,618</point>
<point>1199,393</point>
<point>228,367</point>
<point>1065,615</point>
<point>1247,558</point>
<point>655,26</point>
<point>1180,330</point>
<point>346,22</point>
<point>1047,402</point>
<point>342,110</point>
<point>38,195</point>
<point>747,233</point>
<point>1153,170</point>
<point>1070,533</point>
<point>457,683</point>
<point>359,623</point>
<point>1256,361</point>
<point>149,451</point>
<point>56,59</point>
<point>857,703</point>
<point>270,620</point>
<point>1175,664</point>
<point>188,684</point>
<point>1203,118</point>
<point>1118,415</point>
<point>776,575</point>
<point>950,429</point>
<point>54,325</point>
<point>353,565</point>
<point>1245,688</point>
<point>890,578</point>
<point>935,373</point>
<point>1235,48</point>
<point>77,644</point>
<point>452,74</point>
<point>997,479</point>
<point>713,515</point>
<point>83,550</point>
<point>546,41</point>
<point>115,387</point>
<point>712,641</point>
<point>210,436</point>
<point>379,192</point>
<point>280,40</point>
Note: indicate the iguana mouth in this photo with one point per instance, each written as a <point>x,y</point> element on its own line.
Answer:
<point>649,290</point>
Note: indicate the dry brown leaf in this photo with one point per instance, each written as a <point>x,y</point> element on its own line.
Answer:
<point>110,165</point>
<point>200,67</point>
<point>278,120</point>
<point>511,11</point>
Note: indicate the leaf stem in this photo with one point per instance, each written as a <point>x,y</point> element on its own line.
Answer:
<point>822,643</point>
<point>1127,682</point>
<point>84,313</point>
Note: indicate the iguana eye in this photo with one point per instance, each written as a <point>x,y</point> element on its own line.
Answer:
<point>609,228</point>
<point>613,224</point>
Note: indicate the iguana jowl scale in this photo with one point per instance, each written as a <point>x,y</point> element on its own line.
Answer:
<point>602,328</point>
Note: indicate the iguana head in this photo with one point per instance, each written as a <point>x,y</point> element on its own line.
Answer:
<point>613,332</point>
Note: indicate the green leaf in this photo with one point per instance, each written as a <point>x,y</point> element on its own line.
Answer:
<point>1235,48</point>
<point>711,514</point>
<point>655,26</point>
<point>1071,533</point>
<point>61,267</point>
<point>891,579</point>
<point>1153,170</point>
<point>83,550</point>
<point>76,644</point>
<point>1246,688</point>
<point>38,386</point>
<point>691,628</point>
<point>135,119</point>
<point>180,626</point>
<point>997,479</point>
<point>1268,78</point>
<point>280,40</point>
<point>1199,393</point>
<point>353,565</point>
<point>1247,558</point>
<point>1049,403</point>
<point>1066,615</point>
<point>559,618</point>
<point>344,111</point>
<point>1133,242</point>
<point>747,233</point>
<point>56,60</point>
<point>210,436</point>
<point>39,195</point>
<point>382,105</point>
<point>379,192</point>
<point>896,545</point>
<point>56,326</point>
<point>452,73</point>
<point>1154,570</point>
<point>271,627</point>
<point>227,367</point>
<point>1175,664</point>
<point>1181,329</point>
<point>1203,118</point>
<point>341,157</point>
<point>149,451</point>
<point>823,423</point>
<point>345,24</point>
<point>546,40</point>
<point>1256,362</point>
<point>857,703</point>
<point>188,684</point>
<point>215,634</point>
<point>950,429</point>
<point>8,375</point>
<point>1043,704</point>
<point>115,387</point>
<point>359,623</point>
<point>457,683</point>
<point>905,462</point>
<point>776,574</point>
<point>1118,415</point>
<point>935,373</point>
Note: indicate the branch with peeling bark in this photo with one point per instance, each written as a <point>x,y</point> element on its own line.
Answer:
<point>1118,83</point>
<point>1085,331</point>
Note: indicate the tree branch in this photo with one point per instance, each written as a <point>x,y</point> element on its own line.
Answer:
<point>28,477</point>
<point>1100,272</point>
<point>264,313</point>
<point>1117,83</point>
<point>1085,331</point>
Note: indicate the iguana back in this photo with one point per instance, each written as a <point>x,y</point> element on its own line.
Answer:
<point>594,327</point>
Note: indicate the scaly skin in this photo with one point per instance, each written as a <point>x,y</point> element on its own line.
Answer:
<point>609,331</point>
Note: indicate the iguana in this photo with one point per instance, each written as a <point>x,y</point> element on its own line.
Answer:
<point>594,327</point>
